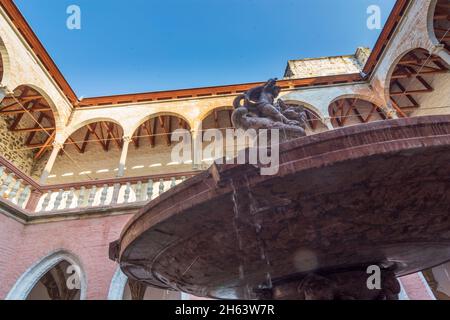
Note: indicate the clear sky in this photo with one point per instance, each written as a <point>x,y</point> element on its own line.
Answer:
<point>131,46</point>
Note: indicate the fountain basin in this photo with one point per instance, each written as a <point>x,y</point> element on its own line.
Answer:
<point>342,200</point>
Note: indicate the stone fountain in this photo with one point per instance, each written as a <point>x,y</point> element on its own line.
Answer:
<point>367,195</point>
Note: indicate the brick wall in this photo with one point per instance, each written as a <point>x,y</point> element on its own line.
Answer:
<point>88,239</point>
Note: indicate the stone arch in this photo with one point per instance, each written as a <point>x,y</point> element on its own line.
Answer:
<point>119,286</point>
<point>316,120</point>
<point>410,77</point>
<point>355,109</point>
<point>430,21</point>
<point>208,112</point>
<point>5,66</point>
<point>133,128</point>
<point>59,123</point>
<point>74,128</point>
<point>438,22</point>
<point>217,118</point>
<point>30,122</point>
<point>25,284</point>
<point>307,106</point>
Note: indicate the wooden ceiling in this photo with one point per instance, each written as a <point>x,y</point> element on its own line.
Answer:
<point>412,79</point>
<point>344,111</point>
<point>162,126</point>
<point>442,22</point>
<point>104,134</point>
<point>28,113</point>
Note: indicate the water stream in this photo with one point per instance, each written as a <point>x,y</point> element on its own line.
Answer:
<point>239,226</point>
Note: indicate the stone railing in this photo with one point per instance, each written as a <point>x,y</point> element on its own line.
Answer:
<point>22,191</point>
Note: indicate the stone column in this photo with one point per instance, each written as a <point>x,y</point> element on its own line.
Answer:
<point>57,147</point>
<point>123,156</point>
<point>439,50</point>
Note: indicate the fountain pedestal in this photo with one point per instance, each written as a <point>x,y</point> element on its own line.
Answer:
<point>343,200</point>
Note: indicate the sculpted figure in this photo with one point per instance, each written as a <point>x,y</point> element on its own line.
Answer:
<point>257,109</point>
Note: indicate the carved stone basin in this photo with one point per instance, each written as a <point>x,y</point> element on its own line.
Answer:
<point>343,200</point>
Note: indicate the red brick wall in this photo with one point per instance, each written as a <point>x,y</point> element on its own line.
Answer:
<point>88,239</point>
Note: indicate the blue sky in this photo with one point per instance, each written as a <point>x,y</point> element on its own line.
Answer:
<point>148,45</point>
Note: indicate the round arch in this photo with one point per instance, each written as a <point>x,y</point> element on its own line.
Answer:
<point>430,21</point>
<point>31,113</point>
<point>209,112</point>
<point>349,103</point>
<point>117,286</point>
<point>59,124</point>
<point>31,277</point>
<point>410,77</point>
<point>391,70</point>
<point>74,128</point>
<point>438,22</point>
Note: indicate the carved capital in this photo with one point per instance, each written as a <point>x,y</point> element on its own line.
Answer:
<point>127,139</point>
<point>391,113</point>
<point>5,90</point>
<point>58,145</point>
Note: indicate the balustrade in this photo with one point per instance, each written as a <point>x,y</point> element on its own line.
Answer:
<point>22,191</point>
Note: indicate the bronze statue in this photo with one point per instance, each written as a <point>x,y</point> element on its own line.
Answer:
<point>257,109</point>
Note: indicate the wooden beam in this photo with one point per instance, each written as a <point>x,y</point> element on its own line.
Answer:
<point>21,111</point>
<point>405,93</point>
<point>137,139</point>
<point>85,140</point>
<point>99,139</point>
<point>162,123</point>
<point>32,134</point>
<point>75,144</point>
<point>46,144</point>
<point>34,129</point>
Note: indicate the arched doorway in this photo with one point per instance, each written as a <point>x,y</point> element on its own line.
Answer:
<point>354,110</point>
<point>27,129</point>
<point>419,84</point>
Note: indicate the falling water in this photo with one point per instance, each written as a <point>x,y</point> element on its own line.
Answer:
<point>239,239</point>
<point>254,209</point>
